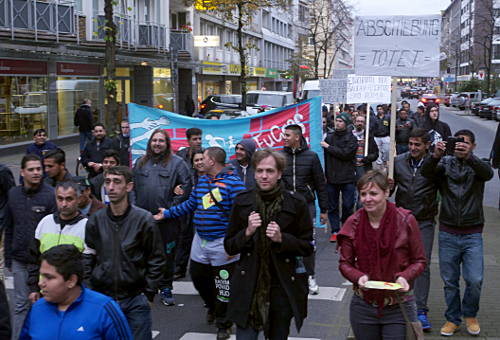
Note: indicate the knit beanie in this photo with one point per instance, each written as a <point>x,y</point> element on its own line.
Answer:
<point>345,117</point>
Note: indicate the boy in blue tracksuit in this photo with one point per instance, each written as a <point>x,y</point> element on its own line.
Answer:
<point>211,201</point>
<point>68,309</point>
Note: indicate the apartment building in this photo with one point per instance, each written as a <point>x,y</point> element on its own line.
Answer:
<point>51,58</point>
<point>470,38</point>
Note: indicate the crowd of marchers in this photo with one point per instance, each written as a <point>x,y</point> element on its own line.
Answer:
<point>88,254</point>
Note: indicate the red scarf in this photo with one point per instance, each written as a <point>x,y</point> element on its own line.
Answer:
<point>375,250</point>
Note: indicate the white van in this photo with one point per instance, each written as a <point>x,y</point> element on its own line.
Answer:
<point>267,100</point>
<point>310,89</point>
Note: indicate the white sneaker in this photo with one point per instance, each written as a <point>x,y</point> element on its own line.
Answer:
<point>313,286</point>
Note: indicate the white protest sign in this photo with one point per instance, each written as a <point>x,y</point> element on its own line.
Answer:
<point>366,89</point>
<point>397,45</point>
<point>333,90</point>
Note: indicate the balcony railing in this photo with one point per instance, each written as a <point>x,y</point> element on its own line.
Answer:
<point>54,17</point>
<point>132,34</point>
<point>181,41</point>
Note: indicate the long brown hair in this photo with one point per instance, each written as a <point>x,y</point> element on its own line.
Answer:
<point>149,151</point>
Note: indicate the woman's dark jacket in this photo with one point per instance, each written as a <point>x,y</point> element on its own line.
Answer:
<point>297,233</point>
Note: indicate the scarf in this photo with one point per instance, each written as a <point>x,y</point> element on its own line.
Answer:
<point>268,206</point>
<point>375,253</point>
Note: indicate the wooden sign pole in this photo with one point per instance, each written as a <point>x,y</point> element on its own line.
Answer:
<point>392,148</point>
<point>367,129</point>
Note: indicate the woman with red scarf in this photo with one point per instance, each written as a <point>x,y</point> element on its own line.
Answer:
<point>380,242</point>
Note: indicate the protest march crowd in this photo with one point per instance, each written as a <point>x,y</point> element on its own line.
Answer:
<point>88,254</point>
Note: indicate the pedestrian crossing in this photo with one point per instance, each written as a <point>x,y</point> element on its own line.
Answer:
<point>325,293</point>
<point>209,336</point>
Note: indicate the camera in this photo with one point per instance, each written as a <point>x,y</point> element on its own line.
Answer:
<point>450,144</point>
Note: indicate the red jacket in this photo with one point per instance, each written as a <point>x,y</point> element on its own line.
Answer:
<point>409,248</point>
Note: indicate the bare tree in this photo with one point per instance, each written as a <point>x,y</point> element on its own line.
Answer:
<point>241,13</point>
<point>329,22</point>
<point>486,16</point>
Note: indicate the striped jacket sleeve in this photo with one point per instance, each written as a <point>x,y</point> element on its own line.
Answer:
<point>185,208</point>
<point>114,323</point>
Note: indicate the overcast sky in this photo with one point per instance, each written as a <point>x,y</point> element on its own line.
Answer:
<point>398,7</point>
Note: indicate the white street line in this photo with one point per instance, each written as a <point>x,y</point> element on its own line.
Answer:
<point>329,293</point>
<point>325,293</point>
<point>207,336</point>
<point>155,334</point>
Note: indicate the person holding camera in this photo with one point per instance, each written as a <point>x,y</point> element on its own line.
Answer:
<point>461,177</point>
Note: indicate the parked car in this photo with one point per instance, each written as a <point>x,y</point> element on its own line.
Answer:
<point>429,99</point>
<point>454,99</point>
<point>489,110</point>
<point>446,100</point>
<point>477,107</point>
<point>259,101</point>
<point>221,104</point>
<point>497,117</point>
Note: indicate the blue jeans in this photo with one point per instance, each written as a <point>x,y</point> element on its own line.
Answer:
<point>21,293</point>
<point>465,250</point>
<point>85,137</point>
<point>138,314</point>
<point>334,191</point>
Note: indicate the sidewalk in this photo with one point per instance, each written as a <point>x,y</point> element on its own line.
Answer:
<point>489,313</point>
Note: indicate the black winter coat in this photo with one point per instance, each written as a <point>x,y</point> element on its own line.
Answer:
<point>83,118</point>
<point>129,256</point>
<point>6,183</point>
<point>461,184</point>
<point>304,174</point>
<point>414,191</point>
<point>297,237</point>
<point>380,126</point>
<point>25,210</point>
<point>122,145</point>
<point>340,157</point>
<point>495,150</point>
<point>95,153</point>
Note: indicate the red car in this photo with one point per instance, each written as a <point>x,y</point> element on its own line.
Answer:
<point>429,99</point>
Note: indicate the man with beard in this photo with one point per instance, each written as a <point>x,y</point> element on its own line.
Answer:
<point>93,153</point>
<point>54,163</point>
<point>121,143</point>
<point>26,206</point>
<point>340,153</point>
<point>129,259</point>
<point>242,163</point>
<point>271,228</point>
<point>303,174</point>
<point>156,175</point>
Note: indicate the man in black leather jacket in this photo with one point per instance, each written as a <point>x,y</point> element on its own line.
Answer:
<point>419,195</point>
<point>129,259</point>
<point>461,178</point>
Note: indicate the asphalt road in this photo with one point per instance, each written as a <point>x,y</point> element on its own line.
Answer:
<point>328,313</point>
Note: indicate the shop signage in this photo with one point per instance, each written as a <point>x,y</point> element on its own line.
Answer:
<point>206,40</point>
<point>266,129</point>
<point>398,46</point>
<point>72,69</point>
<point>28,67</point>
<point>259,71</point>
<point>209,67</point>
<point>272,73</point>
<point>363,89</point>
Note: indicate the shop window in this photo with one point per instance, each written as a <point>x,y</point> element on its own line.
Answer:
<point>163,91</point>
<point>23,107</point>
<point>70,95</point>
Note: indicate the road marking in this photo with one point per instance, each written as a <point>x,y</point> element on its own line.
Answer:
<point>325,293</point>
<point>208,336</point>
<point>329,293</point>
<point>187,288</point>
<point>155,334</point>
